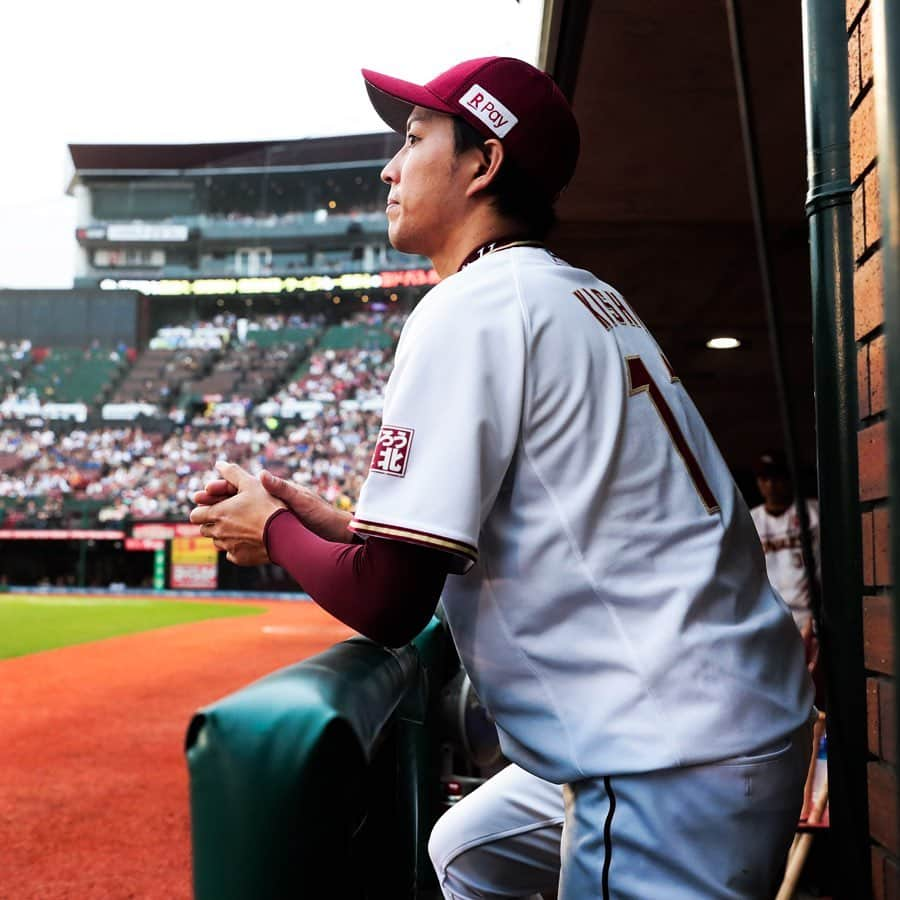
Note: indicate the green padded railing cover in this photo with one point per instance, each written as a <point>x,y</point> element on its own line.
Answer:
<point>320,780</point>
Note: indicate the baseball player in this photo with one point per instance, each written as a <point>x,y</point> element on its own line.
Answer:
<point>541,468</point>
<point>778,525</point>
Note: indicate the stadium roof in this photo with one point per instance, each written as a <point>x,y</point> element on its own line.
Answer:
<point>659,205</point>
<point>122,159</point>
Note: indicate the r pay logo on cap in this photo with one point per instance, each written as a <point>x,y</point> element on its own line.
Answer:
<point>489,109</point>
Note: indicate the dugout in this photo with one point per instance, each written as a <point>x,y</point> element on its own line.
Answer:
<point>697,126</point>
<point>72,558</point>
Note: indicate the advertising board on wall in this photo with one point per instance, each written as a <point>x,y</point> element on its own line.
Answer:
<point>194,563</point>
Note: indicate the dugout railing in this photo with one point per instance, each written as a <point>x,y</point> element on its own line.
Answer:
<point>322,780</point>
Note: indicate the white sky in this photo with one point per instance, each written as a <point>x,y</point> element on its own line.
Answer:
<point>195,71</point>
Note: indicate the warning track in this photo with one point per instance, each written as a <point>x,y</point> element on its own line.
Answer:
<point>93,779</point>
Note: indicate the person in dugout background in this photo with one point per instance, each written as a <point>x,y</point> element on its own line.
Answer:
<point>541,469</point>
<point>778,525</point>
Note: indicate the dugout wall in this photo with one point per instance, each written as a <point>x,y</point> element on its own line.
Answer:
<point>873,176</point>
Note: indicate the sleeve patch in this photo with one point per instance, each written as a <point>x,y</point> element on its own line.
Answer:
<point>392,451</point>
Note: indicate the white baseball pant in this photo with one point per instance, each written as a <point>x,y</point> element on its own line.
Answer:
<point>709,832</point>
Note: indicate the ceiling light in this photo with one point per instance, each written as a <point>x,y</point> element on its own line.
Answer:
<point>723,343</point>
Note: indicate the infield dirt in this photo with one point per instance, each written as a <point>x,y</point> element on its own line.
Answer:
<point>93,780</point>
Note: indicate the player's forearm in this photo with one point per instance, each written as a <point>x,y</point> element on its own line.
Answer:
<point>384,589</point>
<point>313,511</point>
<point>327,522</point>
<point>336,527</point>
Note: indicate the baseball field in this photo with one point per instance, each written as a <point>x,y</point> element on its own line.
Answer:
<point>33,622</point>
<point>96,692</point>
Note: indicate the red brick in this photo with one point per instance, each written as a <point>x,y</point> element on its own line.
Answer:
<point>873,716</point>
<point>881,545</point>
<point>891,878</point>
<point>873,208</point>
<point>853,8</point>
<point>878,858</point>
<point>877,377</point>
<point>865,50</point>
<point>887,718</point>
<point>859,220</point>
<point>873,471</point>
<point>878,640</point>
<point>863,137</point>
<point>885,876</point>
<point>868,548</point>
<point>868,296</point>
<point>862,381</point>
<point>883,806</point>
<point>853,63</point>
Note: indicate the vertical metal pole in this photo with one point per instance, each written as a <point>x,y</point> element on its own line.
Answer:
<point>886,61</point>
<point>837,418</point>
<point>771,304</point>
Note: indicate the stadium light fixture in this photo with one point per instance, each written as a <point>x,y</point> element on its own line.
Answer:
<point>723,343</point>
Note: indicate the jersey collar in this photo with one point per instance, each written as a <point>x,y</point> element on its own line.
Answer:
<point>493,246</point>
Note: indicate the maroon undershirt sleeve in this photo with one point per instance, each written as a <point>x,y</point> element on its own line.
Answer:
<point>386,590</point>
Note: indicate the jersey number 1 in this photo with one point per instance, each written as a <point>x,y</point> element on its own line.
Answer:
<point>641,381</point>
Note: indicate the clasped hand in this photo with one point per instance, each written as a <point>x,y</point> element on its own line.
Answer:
<point>233,511</point>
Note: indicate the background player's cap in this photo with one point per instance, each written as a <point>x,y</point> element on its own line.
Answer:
<point>772,463</point>
<point>500,97</point>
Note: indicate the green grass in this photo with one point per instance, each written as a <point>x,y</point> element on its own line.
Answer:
<point>33,622</point>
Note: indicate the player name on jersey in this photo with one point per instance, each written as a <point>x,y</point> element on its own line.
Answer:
<point>789,542</point>
<point>607,307</point>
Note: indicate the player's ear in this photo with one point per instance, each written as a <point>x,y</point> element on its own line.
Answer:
<point>490,158</point>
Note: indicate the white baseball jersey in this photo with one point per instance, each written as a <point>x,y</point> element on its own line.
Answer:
<point>783,548</point>
<point>612,607</point>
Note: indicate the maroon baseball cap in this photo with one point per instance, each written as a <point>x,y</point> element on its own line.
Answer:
<point>772,463</point>
<point>500,97</point>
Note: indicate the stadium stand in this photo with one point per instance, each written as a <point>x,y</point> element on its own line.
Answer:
<point>15,358</point>
<point>275,392</point>
<point>68,375</point>
<point>158,373</point>
<point>231,301</point>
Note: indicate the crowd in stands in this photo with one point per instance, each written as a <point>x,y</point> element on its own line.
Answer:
<point>224,357</point>
<point>373,211</point>
<point>33,375</point>
<point>361,210</point>
<point>337,375</point>
<point>62,477</point>
<point>226,328</point>
<point>128,474</point>
<point>14,359</point>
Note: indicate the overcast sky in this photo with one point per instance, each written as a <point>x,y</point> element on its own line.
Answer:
<point>195,71</point>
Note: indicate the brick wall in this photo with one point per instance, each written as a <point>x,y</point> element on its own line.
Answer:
<point>873,471</point>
